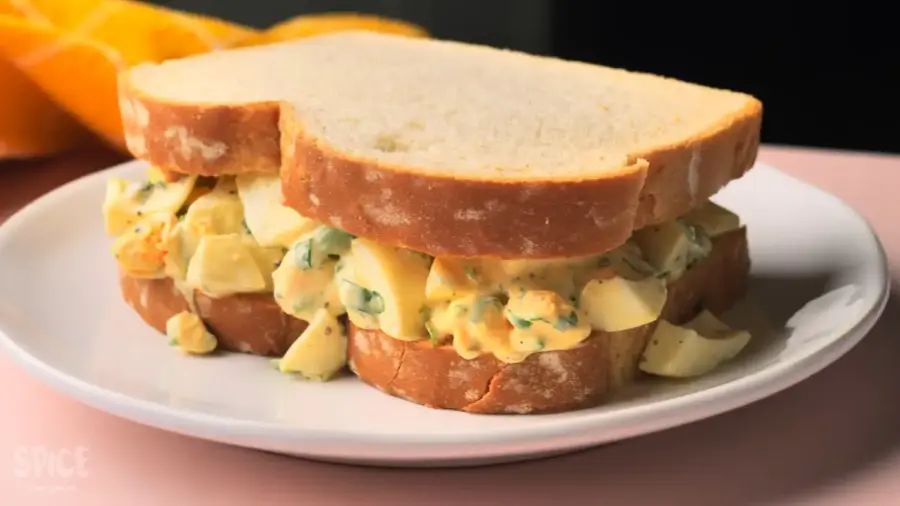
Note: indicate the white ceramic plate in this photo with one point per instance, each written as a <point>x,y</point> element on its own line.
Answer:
<point>819,283</point>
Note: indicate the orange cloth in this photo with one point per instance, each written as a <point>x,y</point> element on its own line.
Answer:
<point>59,60</point>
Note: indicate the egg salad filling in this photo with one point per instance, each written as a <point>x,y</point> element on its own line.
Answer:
<point>231,235</point>
<point>507,308</point>
<point>187,332</point>
<point>221,236</point>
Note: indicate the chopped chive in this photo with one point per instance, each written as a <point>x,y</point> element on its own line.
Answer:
<point>566,322</point>
<point>433,335</point>
<point>303,255</point>
<point>363,299</point>
<point>332,241</point>
<point>519,323</point>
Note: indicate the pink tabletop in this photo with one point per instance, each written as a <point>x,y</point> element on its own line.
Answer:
<point>832,440</point>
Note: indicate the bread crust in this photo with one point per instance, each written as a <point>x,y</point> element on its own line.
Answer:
<point>435,214</point>
<point>201,139</point>
<point>248,323</point>
<point>447,216</point>
<point>549,381</point>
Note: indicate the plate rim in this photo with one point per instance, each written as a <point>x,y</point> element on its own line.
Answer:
<point>644,418</point>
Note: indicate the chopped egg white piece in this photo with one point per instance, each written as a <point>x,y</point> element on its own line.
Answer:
<point>186,330</point>
<point>616,303</point>
<point>320,351</point>
<point>270,222</point>
<point>713,219</point>
<point>385,284</point>
<point>672,247</point>
<point>693,349</point>
<point>223,265</point>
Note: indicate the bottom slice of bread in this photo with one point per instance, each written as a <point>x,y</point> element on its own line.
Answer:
<point>249,323</point>
<point>549,381</point>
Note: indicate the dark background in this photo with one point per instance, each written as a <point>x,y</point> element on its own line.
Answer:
<point>826,72</point>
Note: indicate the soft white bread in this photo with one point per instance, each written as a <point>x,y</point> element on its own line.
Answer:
<point>548,381</point>
<point>443,147</point>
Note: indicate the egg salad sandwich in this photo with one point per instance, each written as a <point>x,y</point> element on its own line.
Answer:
<point>460,226</point>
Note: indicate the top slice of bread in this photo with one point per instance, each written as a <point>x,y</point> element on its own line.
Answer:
<point>444,147</point>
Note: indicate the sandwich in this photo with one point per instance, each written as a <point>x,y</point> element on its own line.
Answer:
<point>463,227</point>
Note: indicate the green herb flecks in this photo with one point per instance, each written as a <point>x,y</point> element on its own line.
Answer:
<point>519,323</point>
<point>331,241</point>
<point>433,336</point>
<point>363,300</point>
<point>303,255</point>
<point>481,305</point>
<point>144,192</point>
<point>522,323</point>
<point>567,322</point>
